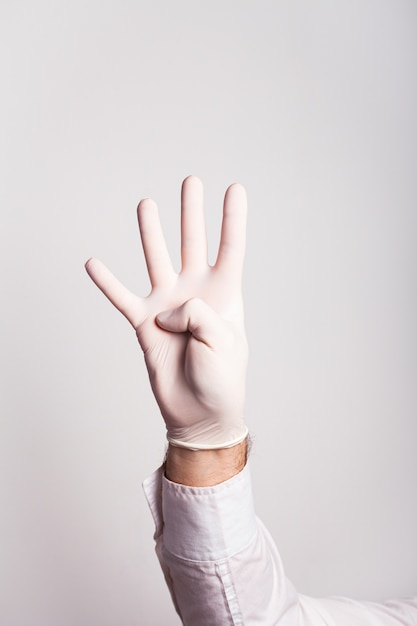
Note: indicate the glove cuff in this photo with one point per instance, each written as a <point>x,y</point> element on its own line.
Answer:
<point>195,445</point>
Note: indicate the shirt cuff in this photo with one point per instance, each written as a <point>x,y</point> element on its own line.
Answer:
<point>202,523</point>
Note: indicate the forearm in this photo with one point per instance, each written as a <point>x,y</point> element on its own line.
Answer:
<point>204,468</point>
<point>221,564</point>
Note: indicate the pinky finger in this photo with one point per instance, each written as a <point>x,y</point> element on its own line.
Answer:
<point>123,299</point>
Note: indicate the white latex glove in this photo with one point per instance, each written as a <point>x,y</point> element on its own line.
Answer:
<point>190,326</point>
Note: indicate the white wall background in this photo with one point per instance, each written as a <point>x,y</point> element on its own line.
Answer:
<point>312,106</point>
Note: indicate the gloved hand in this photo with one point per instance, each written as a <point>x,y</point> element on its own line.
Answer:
<point>190,326</point>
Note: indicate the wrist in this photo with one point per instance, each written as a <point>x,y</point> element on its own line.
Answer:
<point>205,468</point>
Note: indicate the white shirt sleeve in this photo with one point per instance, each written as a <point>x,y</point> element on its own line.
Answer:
<point>223,568</point>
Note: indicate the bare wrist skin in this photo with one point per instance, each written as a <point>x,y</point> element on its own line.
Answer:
<point>204,468</point>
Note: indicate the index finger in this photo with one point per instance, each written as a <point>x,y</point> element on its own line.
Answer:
<point>233,233</point>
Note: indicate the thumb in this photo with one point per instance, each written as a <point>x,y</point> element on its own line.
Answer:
<point>196,317</point>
